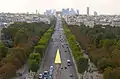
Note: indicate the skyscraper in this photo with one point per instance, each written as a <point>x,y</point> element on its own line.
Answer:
<point>88,11</point>
<point>72,12</point>
<point>95,13</point>
<point>78,12</point>
<point>36,11</point>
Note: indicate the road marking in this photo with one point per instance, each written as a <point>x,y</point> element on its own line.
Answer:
<point>57,58</point>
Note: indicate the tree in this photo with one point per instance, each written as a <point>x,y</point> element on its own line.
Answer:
<point>3,51</point>
<point>34,60</point>
<point>35,56</point>
<point>82,64</point>
<point>23,36</point>
<point>33,65</point>
<point>105,62</point>
<point>97,39</point>
<point>107,44</point>
<point>40,49</point>
<point>1,44</point>
<point>13,61</point>
<point>110,35</point>
<point>9,32</point>
<point>8,70</point>
<point>115,74</point>
<point>115,53</point>
<point>107,72</point>
<point>22,33</point>
<point>118,44</point>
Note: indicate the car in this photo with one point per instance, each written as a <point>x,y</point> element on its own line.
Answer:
<point>51,68</point>
<point>25,78</point>
<point>50,77</point>
<point>19,74</point>
<point>45,74</point>
<point>68,63</point>
<point>65,51</point>
<point>40,76</point>
<point>50,73</point>
<point>65,67</point>
<point>71,75</point>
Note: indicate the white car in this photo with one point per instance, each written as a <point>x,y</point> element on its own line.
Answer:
<point>51,70</point>
<point>45,74</point>
<point>40,76</point>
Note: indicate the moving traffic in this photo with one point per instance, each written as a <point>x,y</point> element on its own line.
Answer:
<point>58,62</point>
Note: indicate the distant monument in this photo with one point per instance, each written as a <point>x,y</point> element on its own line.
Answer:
<point>58,13</point>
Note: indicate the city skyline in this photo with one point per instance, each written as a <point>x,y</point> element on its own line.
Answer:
<point>22,6</point>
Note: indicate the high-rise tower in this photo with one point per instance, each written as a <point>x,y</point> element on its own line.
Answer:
<point>78,12</point>
<point>95,13</point>
<point>88,11</point>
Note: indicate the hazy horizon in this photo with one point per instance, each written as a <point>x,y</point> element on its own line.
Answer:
<point>22,6</point>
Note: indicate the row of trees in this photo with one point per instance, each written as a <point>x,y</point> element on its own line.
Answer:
<point>104,49</point>
<point>34,61</point>
<point>81,62</point>
<point>3,51</point>
<point>20,39</point>
<point>38,53</point>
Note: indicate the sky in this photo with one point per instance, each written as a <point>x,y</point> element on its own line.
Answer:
<point>22,6</point>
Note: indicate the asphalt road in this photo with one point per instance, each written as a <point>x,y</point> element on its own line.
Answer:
<point>58,41</point>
